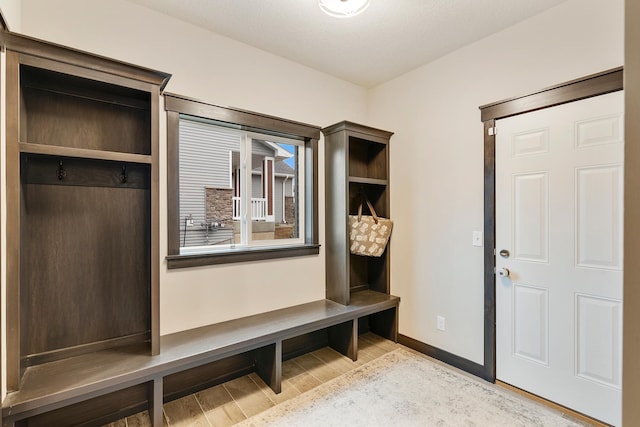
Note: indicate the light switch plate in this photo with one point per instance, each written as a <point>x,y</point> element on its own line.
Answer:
<point>477,238</point>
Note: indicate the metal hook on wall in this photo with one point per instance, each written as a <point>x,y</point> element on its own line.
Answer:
<point>123,175</point>
<point>62,173</point>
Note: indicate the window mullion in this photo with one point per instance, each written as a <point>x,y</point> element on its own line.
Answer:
<point>245,193</point>
<point>301,198</point>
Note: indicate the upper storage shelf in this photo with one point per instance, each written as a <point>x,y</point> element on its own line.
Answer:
<point>367,161</point>
<point>64,110</point>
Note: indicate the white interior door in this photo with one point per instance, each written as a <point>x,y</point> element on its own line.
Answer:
<point>559,213</point>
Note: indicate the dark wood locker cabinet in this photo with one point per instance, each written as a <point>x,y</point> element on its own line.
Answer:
<point>82,204</point>
<point>356,165</point>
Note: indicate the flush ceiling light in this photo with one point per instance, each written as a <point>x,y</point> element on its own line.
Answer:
<point>343,8</point>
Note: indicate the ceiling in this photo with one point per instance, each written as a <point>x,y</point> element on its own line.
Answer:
<point>389,39</point>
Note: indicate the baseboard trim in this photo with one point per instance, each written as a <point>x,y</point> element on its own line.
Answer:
<point>444,356</point>
<point>563,409</point>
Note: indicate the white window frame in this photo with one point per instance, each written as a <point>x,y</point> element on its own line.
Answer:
<point>246,221</point>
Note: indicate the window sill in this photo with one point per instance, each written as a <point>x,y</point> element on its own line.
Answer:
<point>241,255</point>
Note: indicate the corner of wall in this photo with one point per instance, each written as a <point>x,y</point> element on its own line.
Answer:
<point>11,12</point>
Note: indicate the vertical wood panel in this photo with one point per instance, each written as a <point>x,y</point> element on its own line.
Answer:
<point>173,199</point>
<point>14,204</point>
<point>154,223</point>
<point>2,108</point>
<point>2,321</point>
<point>89,282</point>
<point>631,347</point>
<point>155,402</point>
<point>268,365</point>
<point>343,338</point>
<point>336,202</point>
<point>489,372</point>
<point>385,324</point>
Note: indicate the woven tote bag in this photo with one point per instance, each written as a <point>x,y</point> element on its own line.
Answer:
<point>368,234</point>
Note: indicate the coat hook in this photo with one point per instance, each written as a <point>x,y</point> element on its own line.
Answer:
<point>62,174</point>
<point>123,175</point>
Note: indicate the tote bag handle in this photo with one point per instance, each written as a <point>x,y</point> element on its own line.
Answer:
<point>371,209</point>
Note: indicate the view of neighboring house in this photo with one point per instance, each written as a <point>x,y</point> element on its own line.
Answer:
<point>211,190</point>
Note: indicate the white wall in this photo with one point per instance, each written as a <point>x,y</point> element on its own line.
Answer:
<point>224,72</point>
<point>437,156</point>
<point>11,11</point>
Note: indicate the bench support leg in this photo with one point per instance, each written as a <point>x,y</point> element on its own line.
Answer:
<point>155,402</point>
<point>343,338</point>
<point>269,365</point>
<point>385,324</point>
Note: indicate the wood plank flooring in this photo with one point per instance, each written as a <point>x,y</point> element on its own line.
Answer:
<point>229,403</point>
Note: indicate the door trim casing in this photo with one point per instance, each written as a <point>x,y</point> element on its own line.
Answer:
<point>574,90</point>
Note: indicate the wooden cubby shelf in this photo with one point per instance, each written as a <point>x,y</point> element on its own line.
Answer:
<point>356,168</point>
<point>82,213</point>
<point>368,156</point>
<point>372,181</point>
<point>75,111</point>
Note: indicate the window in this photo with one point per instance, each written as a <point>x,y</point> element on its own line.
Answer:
<point>241,186</point>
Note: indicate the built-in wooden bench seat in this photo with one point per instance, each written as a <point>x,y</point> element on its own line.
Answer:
<point>58,384</point>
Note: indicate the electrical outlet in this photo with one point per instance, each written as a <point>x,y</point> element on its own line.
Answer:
<point>477,238</point>
<point>440,323</point>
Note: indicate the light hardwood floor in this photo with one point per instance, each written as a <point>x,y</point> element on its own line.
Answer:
<point>229,403</point>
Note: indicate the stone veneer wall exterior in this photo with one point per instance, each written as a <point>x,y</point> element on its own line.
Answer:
<point>219,205</point>
<point>289,210</point>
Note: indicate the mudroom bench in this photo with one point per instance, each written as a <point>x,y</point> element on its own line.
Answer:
<point>53,388</point>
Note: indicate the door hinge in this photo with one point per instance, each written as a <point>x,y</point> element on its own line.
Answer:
<point>492,131</point>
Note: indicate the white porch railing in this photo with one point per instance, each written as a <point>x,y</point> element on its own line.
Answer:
<point>258,208</point>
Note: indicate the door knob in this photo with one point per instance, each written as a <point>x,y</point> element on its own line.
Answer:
<point>504,272</point>
<point>504,253</point>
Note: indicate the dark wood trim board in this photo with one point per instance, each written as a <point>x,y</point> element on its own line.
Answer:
<point>489,253</point>
<point>13,197</point>
<point>586,87</point>
<point>574,90</point>
<point>3,27</point>
<point>443,356</point>
<point>631,297</point>
<point>175,106</point>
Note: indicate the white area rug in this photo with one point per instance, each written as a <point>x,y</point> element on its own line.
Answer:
<point>404,389</point>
